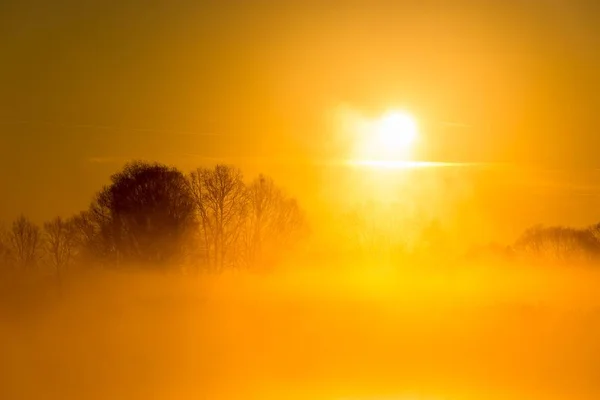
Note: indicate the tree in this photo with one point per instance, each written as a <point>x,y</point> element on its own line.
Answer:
<point>25,243</point>
<point>61,242</point>
<point>221,204</point>
<point>275,221</point>
<point>559,243</point>
<point>95,234</point>
<point>144,216</point>
<point>374,231</point>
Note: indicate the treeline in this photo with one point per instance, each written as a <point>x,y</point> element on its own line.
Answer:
<point>404,242</point>
<point>156,217</point>
<point>548,245</point>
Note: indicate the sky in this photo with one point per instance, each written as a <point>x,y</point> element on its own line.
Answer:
<point>88,85</point>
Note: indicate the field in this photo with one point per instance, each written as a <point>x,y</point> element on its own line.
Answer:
<point>465,334</point>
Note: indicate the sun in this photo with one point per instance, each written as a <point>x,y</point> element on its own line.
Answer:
<point>388,138</point>
<point>395,131</point>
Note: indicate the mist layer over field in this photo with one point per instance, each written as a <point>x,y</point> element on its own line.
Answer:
<point>475,333</point>
<point>210,285</point>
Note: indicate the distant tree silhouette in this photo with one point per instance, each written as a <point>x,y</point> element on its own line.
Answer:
<point>559,243</point>
<point>594,231</point>
<point>144,216</point>
<point>94,235</point>
<point>61,243</point>
<point>375,232</point>
<point>275,221</point>
<point>222,204</point>
<point>25,243</point>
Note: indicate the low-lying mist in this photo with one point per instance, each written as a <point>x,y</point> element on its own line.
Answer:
<point>313,331</point>
<point>211,285</point>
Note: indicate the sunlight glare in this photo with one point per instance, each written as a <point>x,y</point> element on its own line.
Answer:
<point>387,139</point>
<point>396,130</point>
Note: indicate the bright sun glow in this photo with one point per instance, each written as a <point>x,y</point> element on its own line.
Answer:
<point>387,139</point>
<point>395,131</point>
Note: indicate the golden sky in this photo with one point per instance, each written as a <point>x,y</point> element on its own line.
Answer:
<point>87,85</point>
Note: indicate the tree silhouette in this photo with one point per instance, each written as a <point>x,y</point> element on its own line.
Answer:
<point>374,231</point>
<point>275,221</point>
<point>145,216</point>
<point>61,243</point>
<point>93,233</point>
<point>152,215</point>
<point>25,242</point>
<point>222,204</point>
<point>559,243</point>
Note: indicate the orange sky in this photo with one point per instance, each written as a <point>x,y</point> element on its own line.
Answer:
<point>88,85</point>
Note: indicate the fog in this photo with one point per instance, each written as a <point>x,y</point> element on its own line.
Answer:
<point>473,332</point>
<point>212,285</point>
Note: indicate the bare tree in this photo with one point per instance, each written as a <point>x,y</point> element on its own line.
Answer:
<point>61,242</point>
<point>221,204</point>
<point>559,243</point>
<point>199,192</point>
<point>275,221</point>
<point>96,234</point>
<point>263,197</point>
<point>25,243</point>
<point>371,231</point>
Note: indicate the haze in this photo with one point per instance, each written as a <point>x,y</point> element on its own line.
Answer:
<point>336,199</point>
